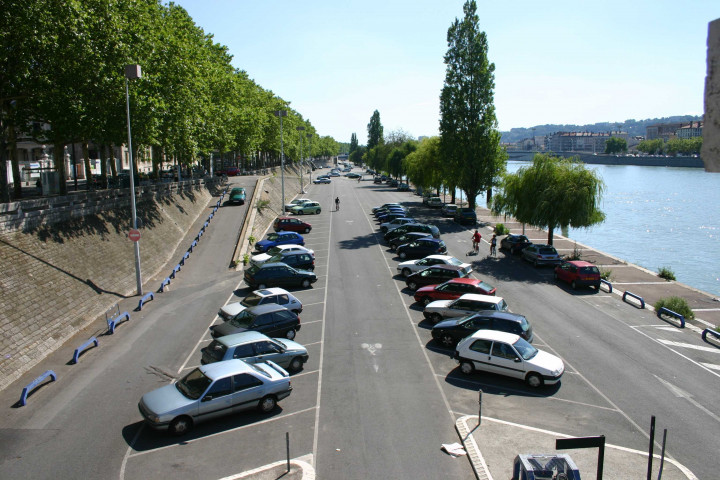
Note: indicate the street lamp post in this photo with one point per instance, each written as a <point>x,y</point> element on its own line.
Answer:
<point>302,142</point>
<point>281,114</point>
<point>132,72</point>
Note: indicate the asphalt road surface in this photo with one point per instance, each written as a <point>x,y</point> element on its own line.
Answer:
<point>377,397</point>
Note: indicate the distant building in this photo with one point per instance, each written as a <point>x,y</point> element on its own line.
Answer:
<point>666,131</point>
<point>586,142</point>
<point>691,130</point>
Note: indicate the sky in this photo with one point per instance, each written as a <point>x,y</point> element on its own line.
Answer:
<point>556,62</point>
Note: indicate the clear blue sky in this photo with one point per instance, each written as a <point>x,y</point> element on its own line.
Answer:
<point>559,62</point>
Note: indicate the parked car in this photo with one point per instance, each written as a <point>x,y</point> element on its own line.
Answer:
<point>377,180</point>
<point>394,223</point>
<point>299,261</point>
<point>266,296</point>
<point>514,243</point>
<point>279,238</point>
<point>453,289</point>
<point>392,215</point>
<point>291,224</point>
<point>431,230</point>
<point>384,205</point>
<point>214,390</point>
<point>403,187</point>
<point>320,180</point>
<point>465,305</point>
<point>448,210</point>
<point>232,171</point>
<point>434,275</point>
<point>284,249</point>
<point>426,196</point>
<point>254,347</point>
<point>449,332</point>
<point>393,183</point>
<point>510,355</point>
<point>541,255</point>
<point>277,274</point>
<point>434,202</point>
<point>407,238</point>
<point>466,216</point>
<point>307,207</point>
<point>353,175</point>
<point>421,248</point>
<point>273,320</point>
<point>237,195</point>
<point>412,266</point>
<point>389,209</point>
<point>296,202</point>
<point>578,274</point>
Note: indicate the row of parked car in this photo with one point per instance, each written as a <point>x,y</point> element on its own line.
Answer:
<point>466,313</point>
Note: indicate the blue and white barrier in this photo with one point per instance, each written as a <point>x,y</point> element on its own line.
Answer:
<point>185,257</point>
<point>636,297</point>
<point>113,322</point>
<point>607,284</point>
<point>164,284</point>
<point>33,385</point>
<point>713,334</point>
<point>666,311</point>
<point>193,245</point>
<point>175,270</point>
<point>79,350</point>
<point>149,296</point>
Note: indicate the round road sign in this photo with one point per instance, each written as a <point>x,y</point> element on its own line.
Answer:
<point>134,235</point>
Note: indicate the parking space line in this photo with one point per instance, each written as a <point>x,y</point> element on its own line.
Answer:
<point>309,372</point>
<point>194,440</point>
<point>688,345</point>
<point>312,321</point>
<point>536,395</point>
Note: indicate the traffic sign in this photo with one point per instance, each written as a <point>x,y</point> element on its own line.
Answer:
<point>134,235</point>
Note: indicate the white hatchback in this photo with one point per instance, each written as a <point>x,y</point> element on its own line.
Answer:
<point>412,266</point>
<point>467,304</point>
<point>509,355</point>
<point>265,296</point>
<point>282,250</point>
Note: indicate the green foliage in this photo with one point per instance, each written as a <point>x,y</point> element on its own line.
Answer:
<point>375,131</point>
<point>251,240</point>
<point>576,253</point>
<point>615,145</point>
<point>246,259</point>
<point>651,147</point>
<point>501,229</point>
<point>677,305</point>
<point>353,143</point>
<point>605,274</point>
<point>262,205</point>
<point>552,193</point>
<point>470,141</point>
<point>666,273</point>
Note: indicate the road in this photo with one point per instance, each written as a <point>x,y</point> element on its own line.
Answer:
<point>377,397</point>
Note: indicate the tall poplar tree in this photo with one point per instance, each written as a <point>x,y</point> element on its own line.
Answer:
<point>353,143</point>
<point>375,131</point>
<point>469,138</point>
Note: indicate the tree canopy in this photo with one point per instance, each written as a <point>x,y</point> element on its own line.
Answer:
<point>551,193</point>
<point>615,145</point>
<point>375,131</point>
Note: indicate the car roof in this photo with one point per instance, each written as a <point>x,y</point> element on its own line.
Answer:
<point>283,233</point>
<point>581,263</point>
<point>440,257</point>
<point>241,338</point>
<point>496,314</point>
<point>265,292</point>
<point>495,335</point>
<point>466,280</point>
<point>434,240</point>
<point>481,298</point>
<point>268,307</point>
<point>223,369</point>
<point>444,267</point>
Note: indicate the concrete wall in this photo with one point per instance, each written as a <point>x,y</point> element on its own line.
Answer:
<point>711,129</point>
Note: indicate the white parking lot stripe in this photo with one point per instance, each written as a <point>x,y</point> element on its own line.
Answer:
<point>688,345</point>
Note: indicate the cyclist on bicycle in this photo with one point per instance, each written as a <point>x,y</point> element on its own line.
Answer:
<point>476,241</point>
<point>337,203</point>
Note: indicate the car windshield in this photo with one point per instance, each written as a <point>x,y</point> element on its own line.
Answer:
<point>589,270</point>
<point>525,350</point>
<point>453,261</point>
<point>216,350</point>
<point>548,251</point>
<point>275,258</point>
<point>242,320</point>
<point>251,300</point>
<point>194,384</point>
<point>273,236</point>
<point>274,251</point>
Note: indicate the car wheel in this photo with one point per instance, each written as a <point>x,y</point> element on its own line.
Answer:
<point>412,286</point>
<point>426,301</point>
<point>261,286</point>
<point>317,212</point>
<point>535,263</point>
<point>406,272</point>
<point>573,285</point>
<point>267,404</point>
<point>597,288</point>
<point>300,212</point>
<point>295,364</point>
<point>290,334</point>
<point>402,255</point>
<point>307,230</point>
<point>447,341</point>
<point>534,380</point>
<point>306,283</point>
<point>467,367</point>
<point>180,426</point>
<point>435,317</point>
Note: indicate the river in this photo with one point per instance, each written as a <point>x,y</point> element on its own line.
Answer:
<point>658,217</point>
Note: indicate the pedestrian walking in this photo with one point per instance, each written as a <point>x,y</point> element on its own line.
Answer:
<point>337,203</point>
<point>493,245</point>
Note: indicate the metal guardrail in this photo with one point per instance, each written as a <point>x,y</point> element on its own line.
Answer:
<point>149,296</point>
<point>714,334</point>
<point>81,348</point>
<point>175,270</point>
<point>636,297</point>
<point>113,322</point>
<point>33,385</point>
<point>666,311</point>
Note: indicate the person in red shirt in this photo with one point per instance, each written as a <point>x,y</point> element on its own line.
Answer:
<point>476,241</point>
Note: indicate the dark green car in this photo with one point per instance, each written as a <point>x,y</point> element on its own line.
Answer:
<point>237,195</point>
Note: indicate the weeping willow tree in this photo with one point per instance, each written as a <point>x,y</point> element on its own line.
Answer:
<point>551,193</point>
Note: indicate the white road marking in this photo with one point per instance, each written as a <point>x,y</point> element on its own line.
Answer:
<point>711,366</point>
<point>688,345</point>
<point>678,392</point>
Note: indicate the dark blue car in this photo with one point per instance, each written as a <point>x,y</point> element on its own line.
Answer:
<point>279,238</point>
<point>385,211</point>
<point>391,216</point>
<point>421,248</point>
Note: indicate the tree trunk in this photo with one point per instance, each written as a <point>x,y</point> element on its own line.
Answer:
<point>550,235</point>
<point>59,161</point>
<point>113,165</point>
<point>86,161</point>
<point>14,163</point>
<point>103,166</point>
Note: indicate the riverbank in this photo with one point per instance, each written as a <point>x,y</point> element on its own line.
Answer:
<point>602,159</point>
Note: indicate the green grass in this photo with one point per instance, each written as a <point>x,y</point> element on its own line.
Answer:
<point>666,273</point>
<point>501,229</point>
<point>677,305</point>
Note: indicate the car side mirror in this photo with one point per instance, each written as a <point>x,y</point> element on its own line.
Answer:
<point>207,398</point>
<point>517,360</point>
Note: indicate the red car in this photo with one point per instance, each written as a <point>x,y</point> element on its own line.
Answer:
<point>232,171</point>
<point>453,289</point>
<point>290,224</point>
<point>578,273</point>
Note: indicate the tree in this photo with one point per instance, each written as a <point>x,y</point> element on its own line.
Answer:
<point>353,143</point>
<point>470,141</point>
<point>375,131</point>
<point>551,193</point>
<point>615,145</point>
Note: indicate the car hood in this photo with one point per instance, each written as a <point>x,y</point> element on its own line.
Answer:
<point>438,304</point>
<point>425,289</point>
<point>546,363</point>
<point>450,323</point>
<point>227,329</point>
<point>264,243</point>
<point>409,263</point>
<point>165,399</point>
<point>232,309</point>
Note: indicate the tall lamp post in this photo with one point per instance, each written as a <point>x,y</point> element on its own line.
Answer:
<point>133,72</point>
<point>309,136</point>
<point>302,141</point>
<point>281,114</point>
